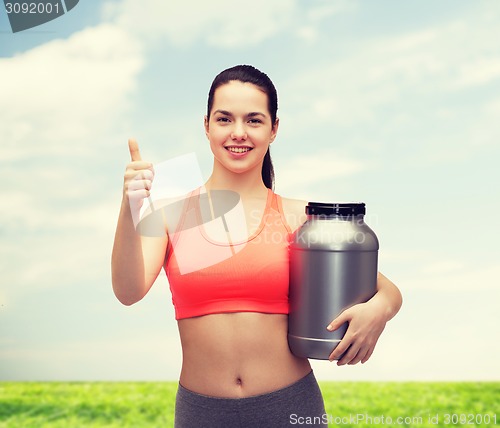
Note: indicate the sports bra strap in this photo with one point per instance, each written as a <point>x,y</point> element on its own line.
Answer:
<point>278,206</point>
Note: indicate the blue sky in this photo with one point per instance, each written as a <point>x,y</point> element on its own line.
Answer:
<point>392,103</point>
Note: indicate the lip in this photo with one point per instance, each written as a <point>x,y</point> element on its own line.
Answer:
<point>238,155</point>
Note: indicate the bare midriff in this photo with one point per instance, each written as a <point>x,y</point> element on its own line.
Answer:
<point>236,355</point>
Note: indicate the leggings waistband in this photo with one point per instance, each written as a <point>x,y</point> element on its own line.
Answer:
<point>300,387</point>
<point>278,409</point>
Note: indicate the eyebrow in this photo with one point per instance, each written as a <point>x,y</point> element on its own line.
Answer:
<point>256,113</point>
<point>251,114</point>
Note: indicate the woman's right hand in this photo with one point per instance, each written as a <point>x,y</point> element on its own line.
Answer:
<point>136,260</point>
<point>138,178</point>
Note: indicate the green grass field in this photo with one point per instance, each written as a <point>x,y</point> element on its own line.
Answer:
<point>151,404</point>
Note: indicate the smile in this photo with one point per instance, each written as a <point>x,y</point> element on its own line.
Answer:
<point>238,149</point>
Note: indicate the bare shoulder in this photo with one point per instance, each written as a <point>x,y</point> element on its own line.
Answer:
<point>294,211</point>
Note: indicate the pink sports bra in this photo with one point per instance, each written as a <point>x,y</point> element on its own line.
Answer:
<point>208,277</point>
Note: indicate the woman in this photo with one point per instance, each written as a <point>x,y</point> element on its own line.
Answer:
<point>237,368</point>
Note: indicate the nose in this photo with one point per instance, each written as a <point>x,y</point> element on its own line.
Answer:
<point>239,133</point>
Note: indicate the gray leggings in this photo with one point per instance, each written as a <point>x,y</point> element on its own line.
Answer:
<point>298,404</point>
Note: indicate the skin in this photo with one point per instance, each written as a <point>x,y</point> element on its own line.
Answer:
<point>236,354</point>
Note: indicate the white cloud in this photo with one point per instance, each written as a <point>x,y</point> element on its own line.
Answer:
<point>307,169</point>
<point>60,106</point>
<point>451,276</point>
<point>492,108</point>
<point>383,70</point>
<point>326,9</point>
<point>225,24</point>
<point>309,30</point>
<point>442,267</point>
<point>405,43</point>
<point>308,33</point>
<point>154,356</point>
<point>65,92</point>
<point>480,72</point>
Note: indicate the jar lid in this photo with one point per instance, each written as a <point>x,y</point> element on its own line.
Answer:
<point>334,209</point>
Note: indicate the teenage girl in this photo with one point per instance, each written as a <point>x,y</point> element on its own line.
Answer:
<point>237,368</point>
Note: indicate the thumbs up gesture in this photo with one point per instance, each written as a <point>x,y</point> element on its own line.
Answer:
<point>139,176</point>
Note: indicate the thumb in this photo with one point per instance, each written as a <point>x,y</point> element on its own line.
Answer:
<point>133,148</point>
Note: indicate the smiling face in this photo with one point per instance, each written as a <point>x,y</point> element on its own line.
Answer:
<point>240,127</point>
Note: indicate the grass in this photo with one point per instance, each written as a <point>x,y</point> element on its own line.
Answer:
<point>87,404</point>
<point>418,404</point>
<point>151,404</point>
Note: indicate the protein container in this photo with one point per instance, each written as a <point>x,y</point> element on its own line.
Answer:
<point>333,265</point>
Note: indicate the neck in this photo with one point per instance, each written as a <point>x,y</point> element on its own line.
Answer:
<point>247,184</point>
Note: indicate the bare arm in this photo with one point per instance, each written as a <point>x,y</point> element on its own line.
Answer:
<point>136,260</point>
<point>388,296</point>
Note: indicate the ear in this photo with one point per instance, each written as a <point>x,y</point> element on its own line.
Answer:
<point>274,131</point>
<point>205,125</point>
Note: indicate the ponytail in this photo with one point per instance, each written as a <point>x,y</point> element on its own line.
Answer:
<point>268,171</point>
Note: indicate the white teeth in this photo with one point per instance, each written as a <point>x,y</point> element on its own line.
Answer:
<point>238,149</point>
